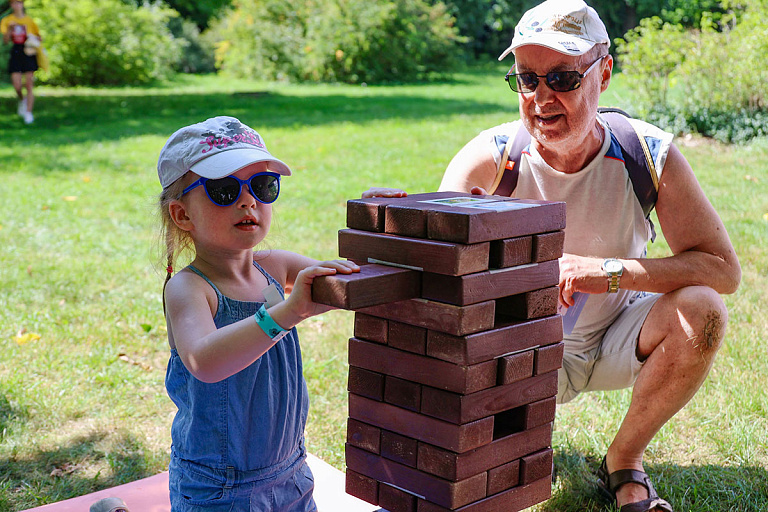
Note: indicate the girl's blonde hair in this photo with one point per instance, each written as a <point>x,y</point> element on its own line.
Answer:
<point>175,241</point>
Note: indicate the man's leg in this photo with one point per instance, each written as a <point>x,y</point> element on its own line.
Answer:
<point>678,341</point>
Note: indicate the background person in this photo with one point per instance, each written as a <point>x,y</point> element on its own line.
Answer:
<point>652,324</point>
<point>235,371</point>
<point>17,28</point>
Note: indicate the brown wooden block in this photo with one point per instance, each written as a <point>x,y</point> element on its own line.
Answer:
<point>371,328</point>
<point>437,490</point>
<point>536,466</point>
<point>367,214</point>
<point>510,252</point>
<point>399,448</point>
<point>529,305</point>
<point>408,216</point>
<point>407,337</point>
<point>548,358</point>
<point>402,393</point>
<point>422,369</point>
<point>393,499</point>
<point>364,436</point>
<point>361,486</point>
<point>503,477</point>
<point>460,409</point>
<point>512,500</point>
<point>501,339</point>
<point>373,285</point>
<point>366,383</point>
<point>539,413</point>
<point>548,246</point>
<point>437,316</point>
<point>457,438</point>
<point>515,367</point>
<point>459,466</point>
<point>421,254</point>
<point>489,285</point>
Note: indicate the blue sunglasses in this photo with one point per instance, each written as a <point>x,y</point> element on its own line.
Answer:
<point>263,186</point>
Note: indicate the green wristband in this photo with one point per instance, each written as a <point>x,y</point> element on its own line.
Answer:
<point>268,325</point>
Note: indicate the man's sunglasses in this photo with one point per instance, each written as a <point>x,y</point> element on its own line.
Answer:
<point>264,187</point>
<point>558,81</point>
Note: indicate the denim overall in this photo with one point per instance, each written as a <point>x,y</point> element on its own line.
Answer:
<point>238,444</point>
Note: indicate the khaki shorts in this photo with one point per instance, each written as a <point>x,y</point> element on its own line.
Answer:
<point>613,363</point>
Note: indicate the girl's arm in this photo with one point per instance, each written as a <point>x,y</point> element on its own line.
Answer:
<point>212,354</point>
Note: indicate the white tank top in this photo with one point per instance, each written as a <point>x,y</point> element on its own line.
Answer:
<point>603,216</point>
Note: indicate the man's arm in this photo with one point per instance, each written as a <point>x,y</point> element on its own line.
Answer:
<point>473,166</point>
<point>702,251</point>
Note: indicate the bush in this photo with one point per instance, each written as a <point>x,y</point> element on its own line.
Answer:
<point>336,40</point>
<point>196,51</point>
<point>95,42</point>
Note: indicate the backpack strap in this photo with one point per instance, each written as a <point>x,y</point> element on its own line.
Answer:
<point>637,157</point>
<point>509,166</point>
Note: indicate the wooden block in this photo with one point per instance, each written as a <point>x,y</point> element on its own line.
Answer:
<point>457,438</point>
<point>501,339</point>
<point>503,477</point>
<point>548,358</point>
<point>402,393</point>
<point>539,413</point>
<point>420,254</point>
<point>512,500</point>
<point>371,328</point>
<point>364,436</point>
<point>399,448</point>
<point>408,216</point>
<point>361,486</point>
<point>393,499</point>
<point>459,466</point>
<point>437,316</point>
<point>529,305</point>
<point>407,337</point>
<point>366,383</point>
<point>489,285</point>
<point>437,490</point>
<point>422,369</point>
<point>460,409</point>
<point>536,466</point>
<point>373,285</point>
<point>515,367</point>
<point>367,214</point>
<point>548,246</point>
<point>510,252</point>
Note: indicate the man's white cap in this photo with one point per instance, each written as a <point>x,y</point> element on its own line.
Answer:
<point>214,148</point>
<point>567,26</point>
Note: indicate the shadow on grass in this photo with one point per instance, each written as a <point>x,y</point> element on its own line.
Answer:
<point>55,475</point>
<point>699,488</point>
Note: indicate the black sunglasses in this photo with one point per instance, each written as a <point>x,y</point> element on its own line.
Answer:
<point>558,81</point>
<point>264,187</point>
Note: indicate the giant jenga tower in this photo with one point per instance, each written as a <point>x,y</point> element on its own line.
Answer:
<point>457,342</point>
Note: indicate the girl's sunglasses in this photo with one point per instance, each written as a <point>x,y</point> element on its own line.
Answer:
<point>264,187</point>
<point>558,81</point>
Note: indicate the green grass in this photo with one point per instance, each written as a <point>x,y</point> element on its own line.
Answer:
<point>78,267</point>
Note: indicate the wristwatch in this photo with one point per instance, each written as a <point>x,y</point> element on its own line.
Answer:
<point>614,268</point>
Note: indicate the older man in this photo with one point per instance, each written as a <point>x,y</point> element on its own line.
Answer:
<point>653,324</point>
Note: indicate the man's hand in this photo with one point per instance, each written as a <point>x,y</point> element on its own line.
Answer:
<point>580,274</point>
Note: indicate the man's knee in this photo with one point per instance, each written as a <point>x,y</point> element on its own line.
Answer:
<point>702,316</point>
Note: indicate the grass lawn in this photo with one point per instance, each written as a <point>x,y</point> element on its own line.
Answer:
<point>82,339</point>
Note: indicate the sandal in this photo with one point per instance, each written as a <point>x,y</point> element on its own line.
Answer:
<point>608,483</point>
<point>109,505</point>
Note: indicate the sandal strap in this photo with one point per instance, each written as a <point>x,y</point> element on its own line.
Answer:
<point>626,476</point>
<point>647,505</point>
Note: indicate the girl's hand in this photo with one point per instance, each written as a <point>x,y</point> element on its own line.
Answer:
<point>384,192</point>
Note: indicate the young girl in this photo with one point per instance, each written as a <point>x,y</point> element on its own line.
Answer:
<point>18,28</point>
<point>235,371</point>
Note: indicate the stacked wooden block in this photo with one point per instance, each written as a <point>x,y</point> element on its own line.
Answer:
<point>453,363</point>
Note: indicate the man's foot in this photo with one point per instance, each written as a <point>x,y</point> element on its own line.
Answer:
<point>632,486</point>
<point>22,107</point>
<point>28,118</point>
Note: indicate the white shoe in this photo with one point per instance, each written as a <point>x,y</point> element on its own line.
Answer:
<point>22,107</point>
<point>28,118</point>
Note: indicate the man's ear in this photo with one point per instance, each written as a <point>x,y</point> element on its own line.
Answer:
<point>179,215</point>
<point>607,71</point>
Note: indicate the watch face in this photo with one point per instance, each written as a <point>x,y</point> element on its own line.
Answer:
<point>613,266</point>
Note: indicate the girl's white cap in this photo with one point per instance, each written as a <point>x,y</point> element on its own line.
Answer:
<point>567,26</point>
<point>214,148</point>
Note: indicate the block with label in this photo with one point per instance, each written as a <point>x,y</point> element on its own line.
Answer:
<point>455,351</point>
